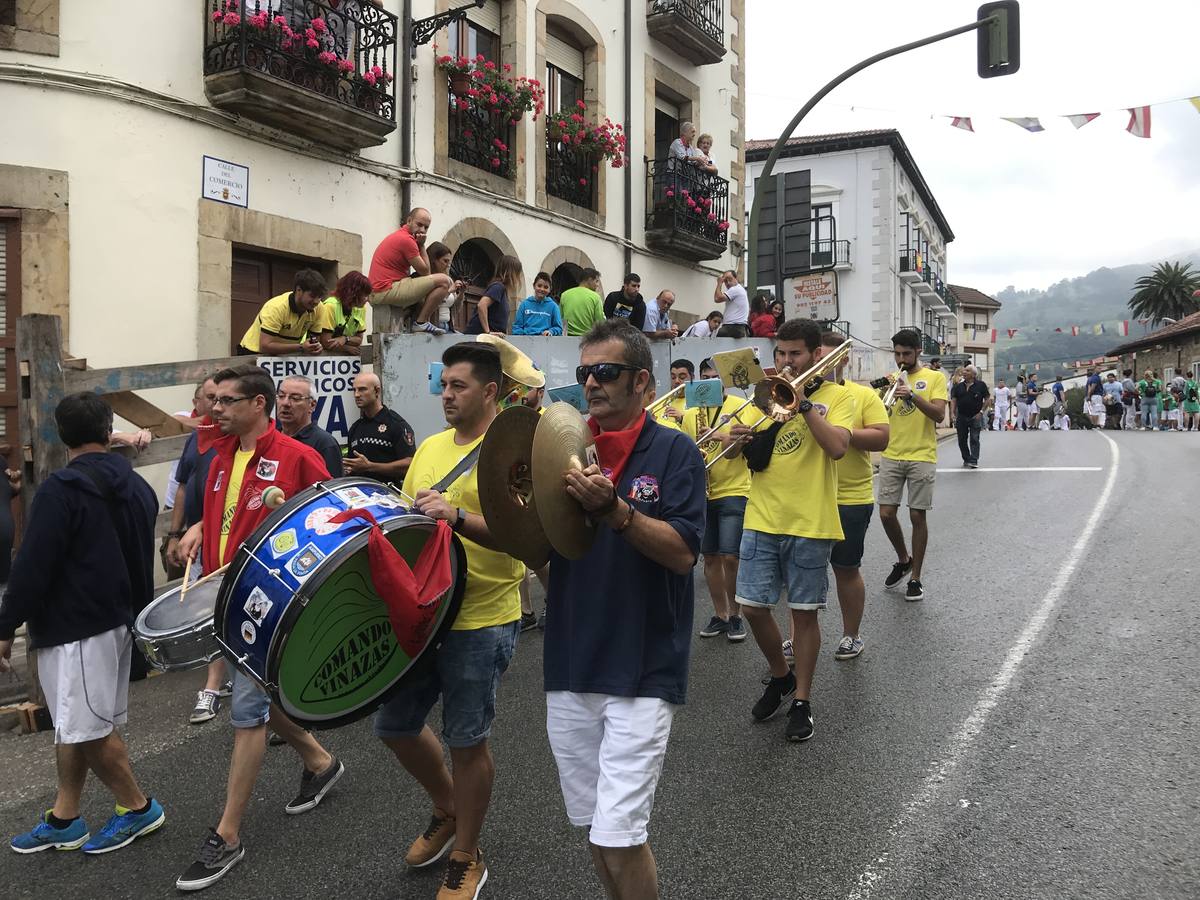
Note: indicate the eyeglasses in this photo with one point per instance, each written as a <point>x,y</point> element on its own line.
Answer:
<point>227,401</point>
<point>603,372</point>
<point>295,398</point>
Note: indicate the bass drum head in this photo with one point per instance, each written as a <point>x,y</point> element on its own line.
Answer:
<point>335,658</point>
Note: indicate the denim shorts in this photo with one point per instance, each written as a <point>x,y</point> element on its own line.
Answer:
<point>465,673</point>
<point>774,563</point>
<point>848,552</point>
<point>250,706</point>
<point>723,526</point>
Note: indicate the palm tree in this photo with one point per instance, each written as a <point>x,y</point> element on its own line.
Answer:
<point>1167,293</point>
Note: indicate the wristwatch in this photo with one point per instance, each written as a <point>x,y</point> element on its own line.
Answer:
<point>805,406</point>
<point>459,518</point>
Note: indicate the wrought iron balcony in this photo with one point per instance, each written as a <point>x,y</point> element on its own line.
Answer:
<point>480,137</point>
<point>824,254</point>
<point>910,266</point>
<point>571,174</point>
<point>695,29</point>
<point>687,212</point>
<point>322,71</point>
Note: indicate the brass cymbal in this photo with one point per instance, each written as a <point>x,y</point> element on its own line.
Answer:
<point>562,442</point>
<point>505,478</point>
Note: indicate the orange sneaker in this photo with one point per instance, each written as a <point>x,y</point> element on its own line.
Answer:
<point>434,843</point>
<point>465,876</point>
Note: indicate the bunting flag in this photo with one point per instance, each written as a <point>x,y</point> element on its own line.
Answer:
<point>1098,328</point>
<point>1029,123</point>
<point>1075,331</point>
<point>992,339</point>
<point>1058,331</point>
<point>1010,367</point>
<point>1037,367</point>
<point>1011,332</point>
<point>1123,327</point>
<point>963,122</point>
<point>1195,101</point>
<point>1080,120</point>
<point>1139,122</point>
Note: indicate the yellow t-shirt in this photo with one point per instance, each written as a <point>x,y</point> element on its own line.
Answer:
<point>492,595</point>
<point>241,459</point>
<point>854,469</point>
<point>914,434</point>
<point>797,493</point>
<point>277,319</point>
<point>729,477</point>
<point>664,420</point>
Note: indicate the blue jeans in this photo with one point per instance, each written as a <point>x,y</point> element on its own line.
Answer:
<point>1150,413</point>
<point>723,526</point>
<point>780,563</point>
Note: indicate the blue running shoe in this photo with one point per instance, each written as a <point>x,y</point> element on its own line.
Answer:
<point>125,827</point>
<point>45,836</point>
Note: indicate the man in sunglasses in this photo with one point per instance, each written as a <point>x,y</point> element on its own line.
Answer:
<point>611,692</point>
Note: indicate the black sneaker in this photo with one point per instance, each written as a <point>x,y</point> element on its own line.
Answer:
<point>313,787</point>
<point>737,631</point>
<point>716,625</point>
<point>542,621</point>
<point>899,570</point>
<point>914,592</point>
<point>212,862</point>
<point>778,692</point>
<point>528,621</point>
<point>800,721</point>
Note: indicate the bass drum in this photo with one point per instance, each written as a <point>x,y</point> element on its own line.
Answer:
<point>298,613</point>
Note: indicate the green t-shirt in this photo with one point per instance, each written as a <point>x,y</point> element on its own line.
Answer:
<point>1192,390</point>
<point>333,318</point>
<point>581,309</point>
<point>1144,384</point>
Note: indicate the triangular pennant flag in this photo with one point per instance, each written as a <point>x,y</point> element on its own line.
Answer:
<point>1029,123</point>
<point>992,339</point>
<point>1097,329</point>
<point>1081,120</point>
<point>963,122</point>
<point>1037,367</point>
<point>1011,332</point>
<point>1123,327</point>
<point>1139,122</point>
<point>1074,330</point>
<point>1195,102</point>
<point>1010,367</point>
<point>1058,331</point>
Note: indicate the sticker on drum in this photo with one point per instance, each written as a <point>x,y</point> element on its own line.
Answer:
<point>248,632</point>
<point>257,606</point>
<point>304,562</point>
<point>387,502</point>
<point>284,543</point>
<point>352,495</point>
<point>318,520</point>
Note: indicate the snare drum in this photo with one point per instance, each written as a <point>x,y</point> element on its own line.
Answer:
<point>174,635</point>
<point>298,613</point>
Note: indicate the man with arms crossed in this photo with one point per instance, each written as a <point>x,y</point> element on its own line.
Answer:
<point>391,283</point>
<point>856,501</point>
<point>911,458</point>
<point>476,650</point>
<point>788,535</point>
<point>611,692</point>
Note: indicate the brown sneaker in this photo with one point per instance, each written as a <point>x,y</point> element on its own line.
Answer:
<point>464,876</point>
<point>434,843</point>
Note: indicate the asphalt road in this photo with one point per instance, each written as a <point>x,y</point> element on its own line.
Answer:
<point>1027,731</point>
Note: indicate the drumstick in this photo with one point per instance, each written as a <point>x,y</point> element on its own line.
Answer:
<point>187,574</point>
<point>183,590</point>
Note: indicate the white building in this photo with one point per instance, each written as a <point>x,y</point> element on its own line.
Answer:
<point>877,225</point>
<point>973,336</point>
<point>102,219</point>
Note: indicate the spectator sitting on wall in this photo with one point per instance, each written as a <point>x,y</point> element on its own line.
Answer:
<point>706,327</point>
<point>539,314</point>
<point>491,315</point>
<point>441,257</point>
<point>737,305</point>
<point>288,323</point>
<point>627,303</point>
<point>581,306</point>
<point>762,323</point>
<point>393,285</point>
<point>703,155</point>
<point>343,318</point>
<point>659,326</point>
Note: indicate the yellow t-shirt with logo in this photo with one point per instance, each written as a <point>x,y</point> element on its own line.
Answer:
<point>729,477</point>
<point>233,490</point>
<point>661,417</point>
<point>854,469</point>
<point>276,318</point>
<point>492,595</point>
<point>797,494</point>
<point>914,434</point>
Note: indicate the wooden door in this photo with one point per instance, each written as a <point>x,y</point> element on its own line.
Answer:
<point>10,310</point>
<point>257,277</point>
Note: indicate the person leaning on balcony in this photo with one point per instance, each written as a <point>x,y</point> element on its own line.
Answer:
<point>684,146</point>
<point>581,306</point>
<point>343,317</point>
<point>703,155</point>
<point>627,303</point>
<point>706,327</point>
<point>737,305</point>
<point>290,322</point>
<point>391,281</point>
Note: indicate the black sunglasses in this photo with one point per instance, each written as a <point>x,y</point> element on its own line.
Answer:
<point>603,372</point>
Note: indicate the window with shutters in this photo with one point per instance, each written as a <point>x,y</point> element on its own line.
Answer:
<point>571,171</point>
<point>479,136</point>
<point>478,34</point>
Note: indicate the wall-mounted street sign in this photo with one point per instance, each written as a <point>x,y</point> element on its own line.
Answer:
<point>225,182</point>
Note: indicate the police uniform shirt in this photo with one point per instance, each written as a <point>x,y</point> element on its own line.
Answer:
<point>382,438</point>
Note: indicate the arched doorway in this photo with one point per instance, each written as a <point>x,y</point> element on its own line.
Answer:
<point>475,262</point>
<point>565,276</point>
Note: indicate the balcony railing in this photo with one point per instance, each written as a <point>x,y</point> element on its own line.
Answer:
<point>571,174</point>
<point>824,253</point>
<point>480,137</point>
<point>687,211</point>
<point>320,70</point>
<point>695,29</point>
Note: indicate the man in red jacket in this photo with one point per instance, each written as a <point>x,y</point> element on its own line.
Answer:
<point>251,456</point>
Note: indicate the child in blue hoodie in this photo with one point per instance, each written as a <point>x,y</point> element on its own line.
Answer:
<point>539,314</point>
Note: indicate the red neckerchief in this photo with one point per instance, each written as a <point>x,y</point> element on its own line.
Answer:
<point>615,447</point>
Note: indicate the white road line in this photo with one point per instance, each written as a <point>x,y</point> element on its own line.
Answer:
<point>961,741</point>
<point>1028,469</point>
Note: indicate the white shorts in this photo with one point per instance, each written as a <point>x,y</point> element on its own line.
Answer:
<point>87,685</point>
<point>610,753</point>
<point>1096,406</point>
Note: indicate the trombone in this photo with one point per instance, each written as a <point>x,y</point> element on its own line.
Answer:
<point>652,406</point>
<point>779,396</point>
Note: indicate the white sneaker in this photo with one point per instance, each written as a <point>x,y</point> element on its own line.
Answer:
<point>428,328</point>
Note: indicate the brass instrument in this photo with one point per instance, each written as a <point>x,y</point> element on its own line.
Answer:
<point>652,406</point>
<point>889,396</point>
<point>779,396</point>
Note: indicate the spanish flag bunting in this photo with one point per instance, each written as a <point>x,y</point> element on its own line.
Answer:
<point>1139,122</point>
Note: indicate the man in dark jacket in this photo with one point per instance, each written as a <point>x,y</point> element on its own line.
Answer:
<point>85,564</point>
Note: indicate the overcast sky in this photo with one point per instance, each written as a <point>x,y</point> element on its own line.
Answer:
<point>1026,209</point>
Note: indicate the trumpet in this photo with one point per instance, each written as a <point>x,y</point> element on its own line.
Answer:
<point>889,396</point>
<point>779,396</point>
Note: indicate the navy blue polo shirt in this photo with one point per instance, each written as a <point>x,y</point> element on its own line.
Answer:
<point>617,622</point>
